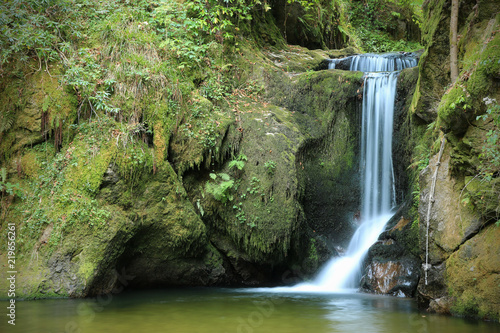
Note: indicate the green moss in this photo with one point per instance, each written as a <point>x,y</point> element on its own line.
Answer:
<point>27,98</point>
<point>30,164</point>
<point>313,253</point>
<point>470,275</point>
<point>214,260</point>
<point>453,109</point>
<point>88,163</point>
<point>463,101</point>
<point>466,306</point>
<point>484,196</point>
<point>481,60</point>
<point>87,269</point>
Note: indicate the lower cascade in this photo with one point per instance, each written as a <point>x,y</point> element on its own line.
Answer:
<point>377,173</point>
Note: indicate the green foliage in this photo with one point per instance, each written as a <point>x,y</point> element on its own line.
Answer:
<point>7,117</point>
<point>188,25</point>
<point>270,167</point>
<point>89,212</point>
<point>242,218</point>
<point>86,76</point>
<point>7,187</point>
<point>239,162</point>
<point>376,41</point>
<point>254,185</point>
<point>240,213</point>
<point>214,89</point>
<point>491,150</point>
<point>39,28</point>
<point>461,102</point>
<point>182,32</point>
<point>320,23</point>
<point>483,190</point>
<point>375,20</point>
<point>313,252</point>
<point>221,188</point>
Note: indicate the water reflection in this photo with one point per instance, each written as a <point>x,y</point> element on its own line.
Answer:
<point>233,311</point>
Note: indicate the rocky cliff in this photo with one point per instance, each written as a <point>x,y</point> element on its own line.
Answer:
<point>459,233</point>
<point>188,200</point>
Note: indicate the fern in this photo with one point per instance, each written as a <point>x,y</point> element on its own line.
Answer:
<point>6,120</point>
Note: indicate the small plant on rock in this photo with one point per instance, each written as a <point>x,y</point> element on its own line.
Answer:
<point>221,187</point>
<point>270,167</point>
<point>239,162</point>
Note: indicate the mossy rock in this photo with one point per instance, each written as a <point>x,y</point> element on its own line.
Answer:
<point>451,223</point>
<point>472,279</point>
<point>433,65</point>
<point>296,58</point>
<point>23,101</point>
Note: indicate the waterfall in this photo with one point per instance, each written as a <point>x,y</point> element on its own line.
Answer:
<point>377,176</point>
<point>377,173</point>
<point>369,62</point>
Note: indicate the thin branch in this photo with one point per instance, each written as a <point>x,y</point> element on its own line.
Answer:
<point>429,207</point>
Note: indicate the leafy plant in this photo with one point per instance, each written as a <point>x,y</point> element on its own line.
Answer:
<point>7,117</point>
<point>483,190</point>
<point>254,185</point>
<point>270,167</point>
<point>86,75</point>
<point>189,23</point>
<point>221,188</point>
<point>239,162</point>
<point>491,150</point>
<point>7,187</point>
<point>461,102</point>
<point>374,22</point>
<point>36,28</point>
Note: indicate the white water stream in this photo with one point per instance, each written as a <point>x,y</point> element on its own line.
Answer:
<point>343,273</point>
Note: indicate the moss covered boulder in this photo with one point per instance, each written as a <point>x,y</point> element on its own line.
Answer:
<point>472,276</point>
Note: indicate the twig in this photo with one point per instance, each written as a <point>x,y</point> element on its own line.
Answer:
<point>429,207</point>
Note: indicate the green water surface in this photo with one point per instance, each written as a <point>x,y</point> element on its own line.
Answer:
<point>232,310</point>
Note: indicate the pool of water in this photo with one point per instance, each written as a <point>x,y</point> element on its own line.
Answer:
<point>232,310</point>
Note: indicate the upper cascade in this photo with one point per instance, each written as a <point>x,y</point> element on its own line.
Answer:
<point>369,62</point>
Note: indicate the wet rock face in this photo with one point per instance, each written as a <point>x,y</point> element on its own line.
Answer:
<point>397,278</point>
<point>392,266</point>
<point>435,287</point>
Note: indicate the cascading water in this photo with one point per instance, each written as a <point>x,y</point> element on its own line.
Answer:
<point>377,181</point>
<point>378,188</point>
<point>375,62</point>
